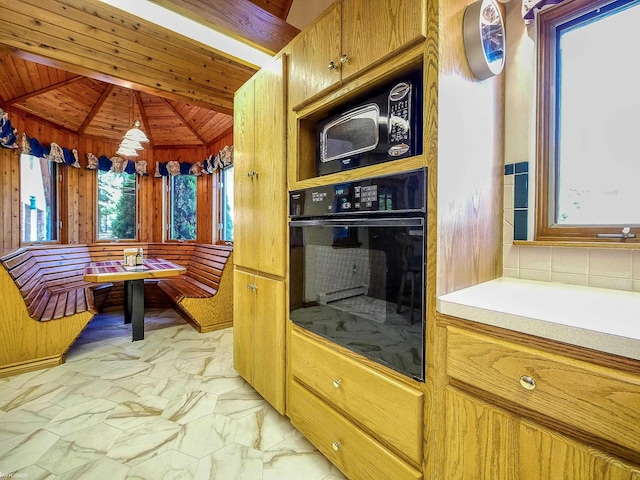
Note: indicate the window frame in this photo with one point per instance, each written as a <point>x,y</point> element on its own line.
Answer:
<point>220,204</point>
<point>97,212</point>
<point>546,160</point>
<point>56,224</point>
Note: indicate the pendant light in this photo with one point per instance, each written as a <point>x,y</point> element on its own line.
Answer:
<point>133,139</point>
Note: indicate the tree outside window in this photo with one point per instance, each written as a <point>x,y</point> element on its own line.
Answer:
<point>182,207</point>
<point>226,204</point>
<point>116,206</point>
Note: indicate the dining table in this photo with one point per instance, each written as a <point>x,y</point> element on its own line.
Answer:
<point>133,277</point>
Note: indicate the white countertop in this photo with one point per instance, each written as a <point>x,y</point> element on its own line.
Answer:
<point>597,318</point>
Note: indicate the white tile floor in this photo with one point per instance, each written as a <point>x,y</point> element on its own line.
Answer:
<point>167,407</point>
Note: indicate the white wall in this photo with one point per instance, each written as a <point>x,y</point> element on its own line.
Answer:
<point>599,267</point>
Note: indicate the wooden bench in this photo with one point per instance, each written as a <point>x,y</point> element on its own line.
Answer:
<point>51,282</point>
<point>45,305</point>
<point>205,293</point>
<point>46,302</point>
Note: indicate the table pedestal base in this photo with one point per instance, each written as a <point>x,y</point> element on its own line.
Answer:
<point>134,307</point>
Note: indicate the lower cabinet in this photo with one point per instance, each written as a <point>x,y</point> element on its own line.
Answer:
<point>511,410</point>
<point>486,442</point>
<point>368,424</point>
<point>258,335</point>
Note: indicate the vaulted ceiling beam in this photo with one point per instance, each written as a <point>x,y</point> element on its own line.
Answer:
<point>143,113</point>
<point>239,19</point>
<point>186,122</point>
<point>50,88</point>
<point>96,108</point>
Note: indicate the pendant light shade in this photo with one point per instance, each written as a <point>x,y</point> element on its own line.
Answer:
<point>136,134</point>
<point>126,152</point>
<point>131,144</point>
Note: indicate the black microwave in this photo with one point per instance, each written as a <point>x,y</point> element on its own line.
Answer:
<point>383,127</point>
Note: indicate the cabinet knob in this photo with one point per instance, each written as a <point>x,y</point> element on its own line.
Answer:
<point>344,58</point>
<point>252,174</point>
<point>336,446</point>
<point>332,66</point>
<point>336,382</point>
<point>527,382</point>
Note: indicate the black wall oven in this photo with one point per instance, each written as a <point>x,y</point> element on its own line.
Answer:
<point>357,267</point>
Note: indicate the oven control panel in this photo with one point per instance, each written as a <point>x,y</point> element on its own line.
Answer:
<point>400,192</point>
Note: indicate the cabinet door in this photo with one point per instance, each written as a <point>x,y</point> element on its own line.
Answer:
<point>270,187</point>
<point>243,324</point>
<point>244,152</point>
<point>311,54</point>
<point>485,442</point>
<point>373,29</point>
<point>269,337</point>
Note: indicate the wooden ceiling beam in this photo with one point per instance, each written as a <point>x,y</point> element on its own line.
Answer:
<point>96,108</point>
<point>239,19</point>
<point>143,114</point>
<point>45,90</point>
<point>186,122</point>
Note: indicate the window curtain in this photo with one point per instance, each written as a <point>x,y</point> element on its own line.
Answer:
<point>529,8</point>
<point>209,165</point>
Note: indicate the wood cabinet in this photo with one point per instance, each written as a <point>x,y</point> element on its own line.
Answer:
<point>260,199</point>
<point>350,37</point>
<point>259,324</point>
<point>366,423</point>
<point>512,410</point>
<point>260,194</point>
<point>483,441</point>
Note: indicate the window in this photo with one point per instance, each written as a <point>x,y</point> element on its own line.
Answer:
<point>116,206</point>
<point>182,209</point>
<point>226,204</point>
<point>38,199</point>
<point>589,72</point>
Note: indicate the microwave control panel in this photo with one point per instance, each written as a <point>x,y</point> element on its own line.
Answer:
<point>401,192</point>
<point>399,112</point>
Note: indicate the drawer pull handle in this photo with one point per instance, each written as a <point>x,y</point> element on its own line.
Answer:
<point>527,382</point>
<point>337,382</point>
<point>336,446</point>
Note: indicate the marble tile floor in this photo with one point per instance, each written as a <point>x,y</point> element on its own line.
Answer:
<point>168,407</point>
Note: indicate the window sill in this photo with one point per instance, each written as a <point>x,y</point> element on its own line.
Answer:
<point>576,244</point>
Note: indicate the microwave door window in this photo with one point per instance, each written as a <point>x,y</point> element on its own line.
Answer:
<point>355,132</point>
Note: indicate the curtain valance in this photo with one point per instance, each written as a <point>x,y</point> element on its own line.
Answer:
<point>224,158</point>
<point>116,164</point>
<point>7,132</point>
<point>53,152</point>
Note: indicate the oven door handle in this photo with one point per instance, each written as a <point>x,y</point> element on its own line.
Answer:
<point>359,222</point>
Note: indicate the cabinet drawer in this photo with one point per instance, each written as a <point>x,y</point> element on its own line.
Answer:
<point>355,453</point>
<point>386,408</point>
<point>594,399</point>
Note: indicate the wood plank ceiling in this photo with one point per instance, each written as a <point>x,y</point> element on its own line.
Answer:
<point>90,69</point>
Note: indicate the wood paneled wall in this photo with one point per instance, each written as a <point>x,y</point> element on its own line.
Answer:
<point>79,188</point>
<point>470,163</point>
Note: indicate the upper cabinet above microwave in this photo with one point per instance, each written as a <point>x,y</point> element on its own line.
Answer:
<point>350,36</point>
